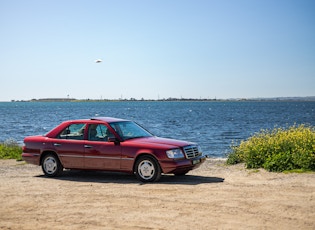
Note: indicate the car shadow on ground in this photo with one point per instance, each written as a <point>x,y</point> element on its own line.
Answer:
<point>124,178</point>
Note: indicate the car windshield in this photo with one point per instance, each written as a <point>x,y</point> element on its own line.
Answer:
<point>129,130</point>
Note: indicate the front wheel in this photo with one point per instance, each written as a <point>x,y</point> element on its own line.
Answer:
<point>51,165</point>
<point>147,169</point>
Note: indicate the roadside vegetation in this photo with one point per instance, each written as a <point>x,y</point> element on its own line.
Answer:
<point>278,150</point>
<point>10,149</point>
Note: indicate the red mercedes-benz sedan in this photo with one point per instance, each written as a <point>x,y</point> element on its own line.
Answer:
<point>110,144</point>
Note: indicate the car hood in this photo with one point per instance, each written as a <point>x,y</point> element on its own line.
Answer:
<point>165,142</point>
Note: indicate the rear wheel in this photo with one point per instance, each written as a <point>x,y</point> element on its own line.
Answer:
<point>51,165</point>
<point>147,169</point>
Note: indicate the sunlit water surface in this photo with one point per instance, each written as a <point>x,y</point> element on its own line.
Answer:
<point>213,125</point>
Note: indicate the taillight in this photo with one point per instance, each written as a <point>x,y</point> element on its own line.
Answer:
<point>24,148</point>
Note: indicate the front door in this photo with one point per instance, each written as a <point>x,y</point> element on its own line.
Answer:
<point>99,153</point>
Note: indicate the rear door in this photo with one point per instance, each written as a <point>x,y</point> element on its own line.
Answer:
<point>99,152</point>
<point>69,145</point>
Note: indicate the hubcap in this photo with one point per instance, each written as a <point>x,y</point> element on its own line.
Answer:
<point>50,165</point>
<point>146,169</point>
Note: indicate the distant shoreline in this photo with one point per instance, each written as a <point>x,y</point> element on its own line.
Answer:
<point>272,99</point>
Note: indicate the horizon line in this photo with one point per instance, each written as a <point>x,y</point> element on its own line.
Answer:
<point>61,99</point>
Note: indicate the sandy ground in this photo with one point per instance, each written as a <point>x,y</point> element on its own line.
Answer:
<point>215,196</point>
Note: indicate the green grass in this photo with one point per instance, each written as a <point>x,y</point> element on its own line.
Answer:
<point>298,171</point>
<point>10,149</point>
<point>278,150</point>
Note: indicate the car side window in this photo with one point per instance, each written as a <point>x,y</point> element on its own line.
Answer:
<point>73,132</point>
<point>99,133</point>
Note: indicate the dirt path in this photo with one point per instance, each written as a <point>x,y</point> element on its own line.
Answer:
<point>214,196</point>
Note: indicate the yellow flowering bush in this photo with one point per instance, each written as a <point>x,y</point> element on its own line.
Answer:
<point>278,149</point>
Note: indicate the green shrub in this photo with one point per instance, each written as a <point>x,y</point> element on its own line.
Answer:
<point>10,149</point>
<point>278,149</point>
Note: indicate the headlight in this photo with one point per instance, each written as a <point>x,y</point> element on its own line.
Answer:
<point>174,153</point>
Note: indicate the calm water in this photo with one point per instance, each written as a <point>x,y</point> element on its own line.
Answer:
<point>214,125</point>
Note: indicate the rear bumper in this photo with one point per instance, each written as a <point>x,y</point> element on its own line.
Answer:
<point>31,158</point>
<point>179,166</point>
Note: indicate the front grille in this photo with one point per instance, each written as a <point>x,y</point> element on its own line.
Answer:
<point>192,151</point>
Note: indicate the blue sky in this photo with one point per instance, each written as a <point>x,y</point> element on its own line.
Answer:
<point>156,49</point>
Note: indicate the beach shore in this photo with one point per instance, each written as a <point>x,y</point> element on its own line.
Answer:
<point>215,196</point>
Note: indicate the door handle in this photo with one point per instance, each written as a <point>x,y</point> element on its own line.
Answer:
<point>57,144</point>
<point>88,146</point>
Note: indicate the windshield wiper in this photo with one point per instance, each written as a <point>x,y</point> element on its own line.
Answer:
<point>129,138</point>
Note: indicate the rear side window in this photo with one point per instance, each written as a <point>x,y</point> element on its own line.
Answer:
<point>73,132</point>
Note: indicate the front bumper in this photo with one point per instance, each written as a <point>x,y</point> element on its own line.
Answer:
<point>179,166</point>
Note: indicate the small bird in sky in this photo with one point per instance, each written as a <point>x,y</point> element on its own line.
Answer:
<point>98,60</point>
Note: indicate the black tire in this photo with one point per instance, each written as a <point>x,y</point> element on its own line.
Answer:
<point>51,165</point>
<point>147,169</point>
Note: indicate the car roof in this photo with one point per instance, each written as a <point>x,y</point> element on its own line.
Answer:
<point>108,119</point>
